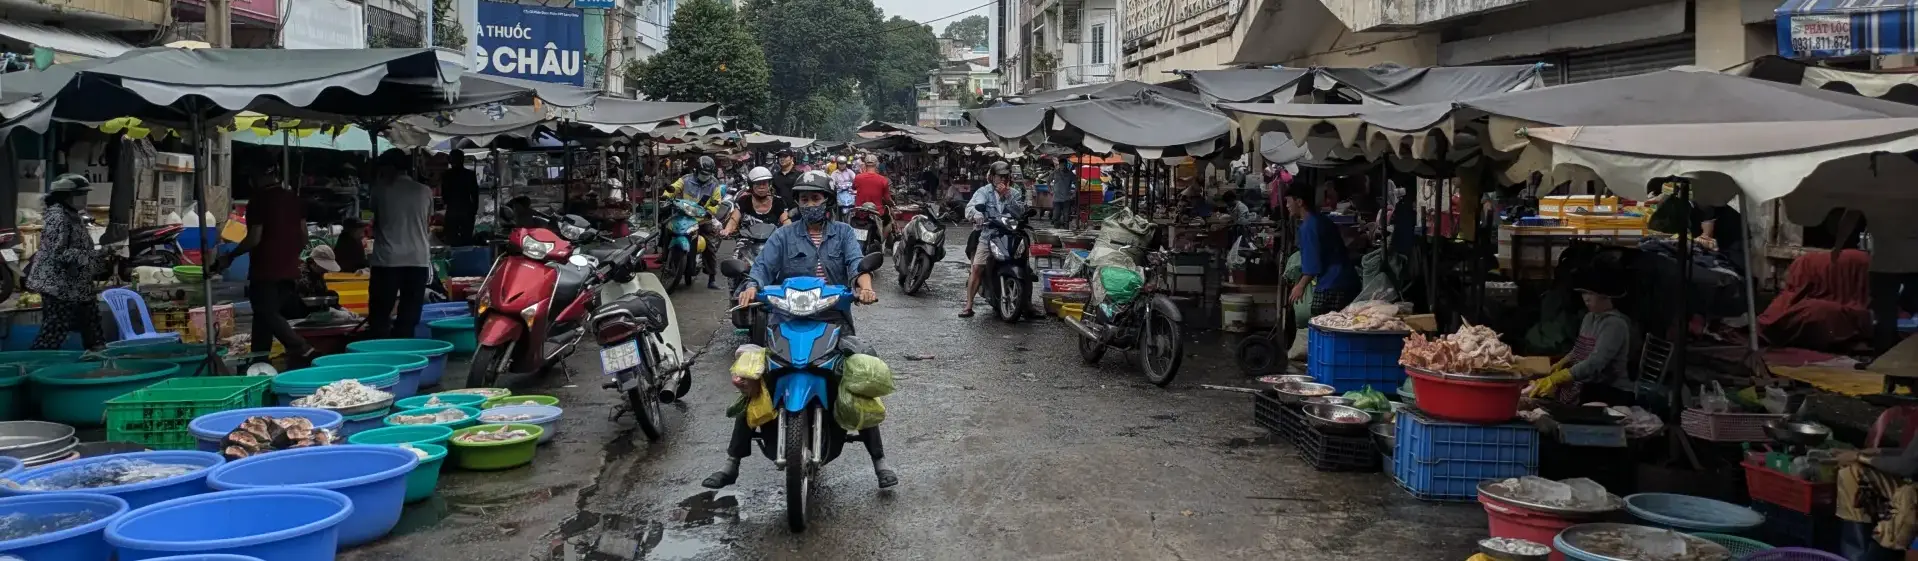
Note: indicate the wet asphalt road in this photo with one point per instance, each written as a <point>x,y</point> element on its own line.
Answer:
<point>1006,445</point>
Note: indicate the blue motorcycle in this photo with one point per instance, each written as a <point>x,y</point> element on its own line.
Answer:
<point>810,333</point>
<point>685,243</point>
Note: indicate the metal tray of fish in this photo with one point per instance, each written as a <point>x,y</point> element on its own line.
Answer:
<point>1346,331</point>
<point>363,408</point>
<point>65,450</point>
<point>1596,541</point>
<point>30,439</point>
<point>1490,488</point>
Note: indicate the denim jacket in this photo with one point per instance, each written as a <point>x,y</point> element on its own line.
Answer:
<point>791,253</point>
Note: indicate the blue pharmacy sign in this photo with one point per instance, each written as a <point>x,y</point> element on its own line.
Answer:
<point>601,4</point>
<point>531,42</point>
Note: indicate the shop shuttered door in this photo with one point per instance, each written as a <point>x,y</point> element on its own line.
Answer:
<point>1599,64</point>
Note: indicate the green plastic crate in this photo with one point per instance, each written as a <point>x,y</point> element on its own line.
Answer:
<point>258,388</point>
<point>157,417</point>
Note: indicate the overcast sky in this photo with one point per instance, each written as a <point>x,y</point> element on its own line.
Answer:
<point>922,10</point>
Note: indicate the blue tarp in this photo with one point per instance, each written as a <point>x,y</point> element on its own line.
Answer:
<point>1839,28</point>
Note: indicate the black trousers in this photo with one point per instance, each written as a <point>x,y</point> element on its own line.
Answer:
<point>272,300</point>
<point>1890,293</point>
<point>60,317</point>
<point>404,286</point>
<point>742,442</point>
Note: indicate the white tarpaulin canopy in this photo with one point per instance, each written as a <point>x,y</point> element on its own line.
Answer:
<point>1813,166</point>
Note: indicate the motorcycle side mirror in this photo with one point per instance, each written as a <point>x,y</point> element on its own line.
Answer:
<point>981,207</point>
<point>872,262</point>
<point>733,268</point>
<point>1031,212</point>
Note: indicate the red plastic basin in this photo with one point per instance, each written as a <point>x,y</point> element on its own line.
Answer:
<point>1511,521</point>
<point>1465,401</point>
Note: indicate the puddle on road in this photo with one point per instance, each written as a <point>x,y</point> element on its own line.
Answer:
<point>696,529</point>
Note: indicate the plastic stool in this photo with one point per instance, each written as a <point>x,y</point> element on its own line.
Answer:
<point>119,300</point>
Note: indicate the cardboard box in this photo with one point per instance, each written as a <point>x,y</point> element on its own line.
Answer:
<point>1422,322</point>
<point>1533,365</point>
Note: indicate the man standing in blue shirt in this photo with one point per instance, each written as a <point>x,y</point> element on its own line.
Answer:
<point>1322,257</point>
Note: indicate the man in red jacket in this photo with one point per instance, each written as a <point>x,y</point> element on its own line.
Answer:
<point>871,187</point>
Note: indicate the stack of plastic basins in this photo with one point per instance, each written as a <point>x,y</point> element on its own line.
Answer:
<point>439,311</point>
<point>1444,461</point>
<point>1351,360</point>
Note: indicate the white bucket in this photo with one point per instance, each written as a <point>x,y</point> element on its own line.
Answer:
<point>1235,311</point>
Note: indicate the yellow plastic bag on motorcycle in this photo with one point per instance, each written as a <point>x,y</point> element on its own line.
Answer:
<point>855,413</point>
<point>866,376</point>
<point>751,363</point>
<point>759,409</point>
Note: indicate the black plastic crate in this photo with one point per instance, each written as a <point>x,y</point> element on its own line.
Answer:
<point>1330,452</point>
<point>1269,413</point>
<point>1785,527</point>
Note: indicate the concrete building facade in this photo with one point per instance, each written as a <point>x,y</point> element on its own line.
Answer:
<point>1060,44</point>
<point>1579,40</point>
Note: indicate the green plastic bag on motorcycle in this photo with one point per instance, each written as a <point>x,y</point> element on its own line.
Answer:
<point>855,413</point>
<point>866,376</point>
<point>1119,285</point>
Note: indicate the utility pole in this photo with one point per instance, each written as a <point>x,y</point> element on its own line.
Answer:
<point>219,35</point>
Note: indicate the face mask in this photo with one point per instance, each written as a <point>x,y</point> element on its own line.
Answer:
<point>813,214</point>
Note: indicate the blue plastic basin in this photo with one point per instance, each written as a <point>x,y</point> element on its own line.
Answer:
<point>411,367</point>
<point>136,495</point>
<point>281,524</point>
<point>206,556</point>
<point>373,477</point>
<point>210,428</point>
<point>10,465</point>
<point>83,542</point>
<point>364,422</point>
<point>434,350</point>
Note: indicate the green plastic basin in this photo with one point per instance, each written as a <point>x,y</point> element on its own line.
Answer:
<point>486,456</point>
<point>15,402</point>
<point>521,400</point>
<point>455,399</point>
<point>472,417</point>
<point>411,434</point>
<point>190,356</point>
<point>425,477</point>
<point>458,331</point>
<point>312,378</point>
<point>76,394</point>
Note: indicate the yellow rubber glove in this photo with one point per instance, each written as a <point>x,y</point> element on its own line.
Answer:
<point>1543,386</point>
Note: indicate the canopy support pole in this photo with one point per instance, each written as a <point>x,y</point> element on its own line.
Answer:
<point>1682,340</point>
<point>1751,284</point>
<point>200,170</point>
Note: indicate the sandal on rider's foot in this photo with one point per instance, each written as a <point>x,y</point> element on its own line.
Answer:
<point>966,313</point>
<point>721,480</point>
<point>887,479</point>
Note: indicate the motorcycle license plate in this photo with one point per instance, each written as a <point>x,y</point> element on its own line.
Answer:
<point>859,235</point>
<point>624,356</point>
<point>11,255</point>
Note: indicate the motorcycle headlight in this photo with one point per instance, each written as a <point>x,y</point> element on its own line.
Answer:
<point>930,236</point>
<point>534,249</point>
<point>803,302</point>
<point>571,232</point>
<point>999,252</point>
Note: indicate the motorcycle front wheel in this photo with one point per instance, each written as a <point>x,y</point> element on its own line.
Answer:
<point>1014,298</point>
<point>799,471</point>
<point>672,268</point>
<point>1160,349</point>
<point>917,269</point>
<point>488,362</point>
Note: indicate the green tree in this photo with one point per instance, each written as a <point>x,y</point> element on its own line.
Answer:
<point>712,57</point>
<point>909,51</point>
<point>972,31</point>
<point>826,54</point>
<point>447,32</point>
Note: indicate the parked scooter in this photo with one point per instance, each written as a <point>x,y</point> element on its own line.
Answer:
<point>807,347</point>
<point>533,306</point>
<point>1144,320</point>
<point>639,346</point>
<point>685,249</point>
<point>1009,277</point>
<point>922,242</point>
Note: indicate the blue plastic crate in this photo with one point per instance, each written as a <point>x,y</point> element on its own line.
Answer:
<point>473,261</point>
<point>1352,361</point>
<point>1443,461</point>
<point>439,311</point>
<point>1785,527</point>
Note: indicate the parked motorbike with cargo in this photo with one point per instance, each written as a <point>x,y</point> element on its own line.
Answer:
<point>1130,309</point>
<point>640,351</point>
<point>533,305</point>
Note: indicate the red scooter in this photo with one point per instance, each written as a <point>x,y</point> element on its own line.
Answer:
<point>533,306</point>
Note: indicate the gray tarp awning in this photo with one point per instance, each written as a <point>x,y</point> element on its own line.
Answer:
<point>1147,124</point>
<point>1109,90</point>
<point>1895,85</point>
<point>885,127</point>
<point>1393,85</point>
<point>609,116</point>
<point>557,95</point>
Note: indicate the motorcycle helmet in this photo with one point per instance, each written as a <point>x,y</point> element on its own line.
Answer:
<point>707,166</point>
<point>1001,168</point>
<point>759,174</point>
<point>814,181</point>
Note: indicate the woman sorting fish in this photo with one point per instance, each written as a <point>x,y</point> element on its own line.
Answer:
<point>1599,358</point>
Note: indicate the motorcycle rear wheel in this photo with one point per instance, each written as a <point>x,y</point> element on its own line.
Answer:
<point>799,473</point>
<point>645,405</point>
<point>488,362</point>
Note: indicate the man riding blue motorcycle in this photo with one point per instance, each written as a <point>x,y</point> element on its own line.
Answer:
<point>801,274</point>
